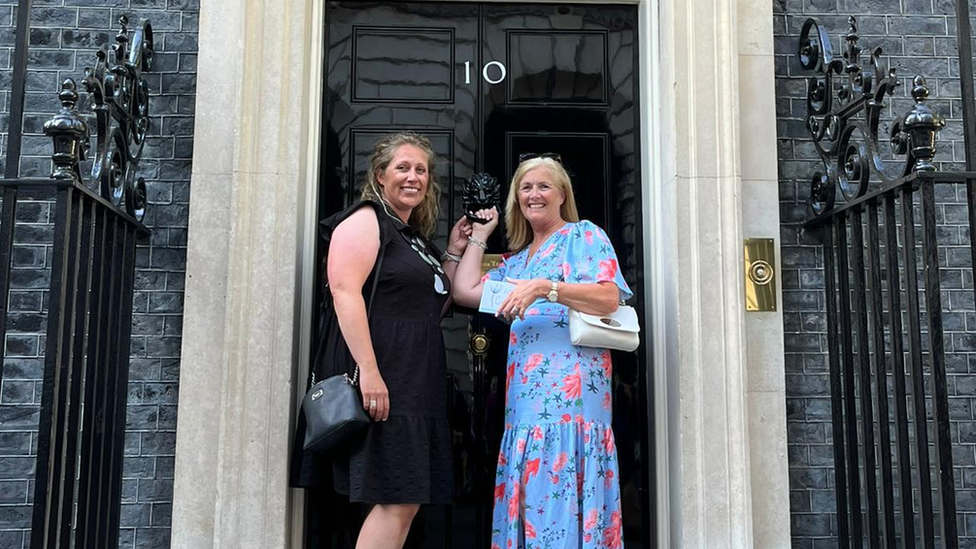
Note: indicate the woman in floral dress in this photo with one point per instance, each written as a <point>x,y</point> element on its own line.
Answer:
<point>557,478</point>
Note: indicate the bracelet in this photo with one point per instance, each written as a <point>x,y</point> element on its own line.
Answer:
<point>479,243</point>
<point>448,256</point>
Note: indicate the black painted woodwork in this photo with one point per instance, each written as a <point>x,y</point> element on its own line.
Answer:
<point>570,87</point>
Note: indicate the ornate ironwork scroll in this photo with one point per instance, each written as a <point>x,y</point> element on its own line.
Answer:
<point>844,102</point>
<point>120,99</point>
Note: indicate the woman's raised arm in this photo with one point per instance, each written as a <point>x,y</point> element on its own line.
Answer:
<point>467,279</point>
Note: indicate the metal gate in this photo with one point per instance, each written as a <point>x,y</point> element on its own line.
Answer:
<point>78,485</point>
<point>883,295</point>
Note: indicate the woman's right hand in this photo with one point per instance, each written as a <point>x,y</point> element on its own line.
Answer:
<point>376,397</point>
<point>482,231</point>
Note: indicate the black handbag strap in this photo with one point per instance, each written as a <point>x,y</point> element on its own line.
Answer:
<point>376,280</point>
<point>369,307</point>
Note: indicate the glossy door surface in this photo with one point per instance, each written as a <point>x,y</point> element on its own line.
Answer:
<point>486,83</point>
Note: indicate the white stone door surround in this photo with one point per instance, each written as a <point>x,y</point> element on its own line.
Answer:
<point>720,431</point>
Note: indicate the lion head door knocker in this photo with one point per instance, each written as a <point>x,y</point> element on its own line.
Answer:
<point>479,192</point>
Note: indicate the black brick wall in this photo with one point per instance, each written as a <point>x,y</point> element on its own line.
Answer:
<point>64,35</point>
<point>918,37</point>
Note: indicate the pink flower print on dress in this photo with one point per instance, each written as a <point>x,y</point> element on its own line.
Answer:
<point>608,478</point>
<point>548,250</point>
<point>512,338</point>
<point>533,362</point>
<point>529,530</point>
<point>567,418</point>
<point>537,432</point>
<point>589,236</point>
<point>563,231</point>
<point>520,445</point>
<point>500,492</point>
<point>607,364</point>
<point>561,461</point>
<point>591,519</point>
<point>531,470</point>
<point>509,375</point>
<point>608,270</point>
<point>608,444</point>
<point>611,535</point>
<point>606,401</point>
<point>513,502</point>
<point>573,384</point>
<point>567,271</point>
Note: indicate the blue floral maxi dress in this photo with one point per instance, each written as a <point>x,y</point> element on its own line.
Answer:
<point>557,479</point>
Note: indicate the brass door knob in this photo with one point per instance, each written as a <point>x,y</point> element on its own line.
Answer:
<point>479,344</point>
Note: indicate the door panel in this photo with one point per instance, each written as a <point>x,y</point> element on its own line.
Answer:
<point>486,83</point>
<point>403,65</point>
<point>557,67</point>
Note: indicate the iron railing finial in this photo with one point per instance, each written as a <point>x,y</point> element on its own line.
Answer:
<point>921,125</point>
<point>70,135</point>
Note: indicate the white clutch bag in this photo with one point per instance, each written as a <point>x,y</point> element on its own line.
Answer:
<point>618,330</point>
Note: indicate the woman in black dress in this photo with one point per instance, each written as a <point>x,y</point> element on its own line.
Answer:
<point>404,458</point>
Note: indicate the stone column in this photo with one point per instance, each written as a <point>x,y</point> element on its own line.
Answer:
<point>726,402</point>
<point>765,358</point>
<point>243,273</point>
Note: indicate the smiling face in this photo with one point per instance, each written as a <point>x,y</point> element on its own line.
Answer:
<point>404,180</point>
<point>540,197</point>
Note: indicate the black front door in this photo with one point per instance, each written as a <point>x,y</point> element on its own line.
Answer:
<point>486,82</point>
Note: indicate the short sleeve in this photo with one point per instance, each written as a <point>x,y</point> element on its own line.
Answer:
<point>329,224</point>
<point>590,258</point>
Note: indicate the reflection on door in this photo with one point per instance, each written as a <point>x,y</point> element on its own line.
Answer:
<point>486,83</point>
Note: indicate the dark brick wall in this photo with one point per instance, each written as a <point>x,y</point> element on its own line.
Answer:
<point>64,35</point>
<point>918,37</point>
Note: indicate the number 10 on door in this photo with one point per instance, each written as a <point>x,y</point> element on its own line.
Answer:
<point>493,72</point>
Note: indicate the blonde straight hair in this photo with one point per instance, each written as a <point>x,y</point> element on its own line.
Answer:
<point>516,226</point>
<point>424,216</point>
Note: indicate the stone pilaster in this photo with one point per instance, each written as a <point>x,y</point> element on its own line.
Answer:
<point>243,273</point>
<point>726,405</point>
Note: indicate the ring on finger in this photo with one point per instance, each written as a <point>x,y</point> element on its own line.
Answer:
<point>372,404</point>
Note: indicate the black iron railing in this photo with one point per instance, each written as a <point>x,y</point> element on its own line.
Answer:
<point>78,486</point>
<point>884,325</point>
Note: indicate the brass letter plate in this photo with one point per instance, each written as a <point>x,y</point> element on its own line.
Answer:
<point>489,262</point>
<point>760,262</point>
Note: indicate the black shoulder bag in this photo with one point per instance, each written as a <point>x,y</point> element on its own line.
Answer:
<point>332,407</point>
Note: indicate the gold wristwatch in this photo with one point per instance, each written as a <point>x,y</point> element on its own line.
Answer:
<point>553,294</point>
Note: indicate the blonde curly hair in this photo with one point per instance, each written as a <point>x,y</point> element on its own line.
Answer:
<point>424,216</point>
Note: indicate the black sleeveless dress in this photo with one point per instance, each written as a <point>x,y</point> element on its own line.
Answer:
<point>406,459</point>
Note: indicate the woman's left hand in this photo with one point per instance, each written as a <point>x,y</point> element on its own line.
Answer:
<point>526,293</point>
<point>457,241</point>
